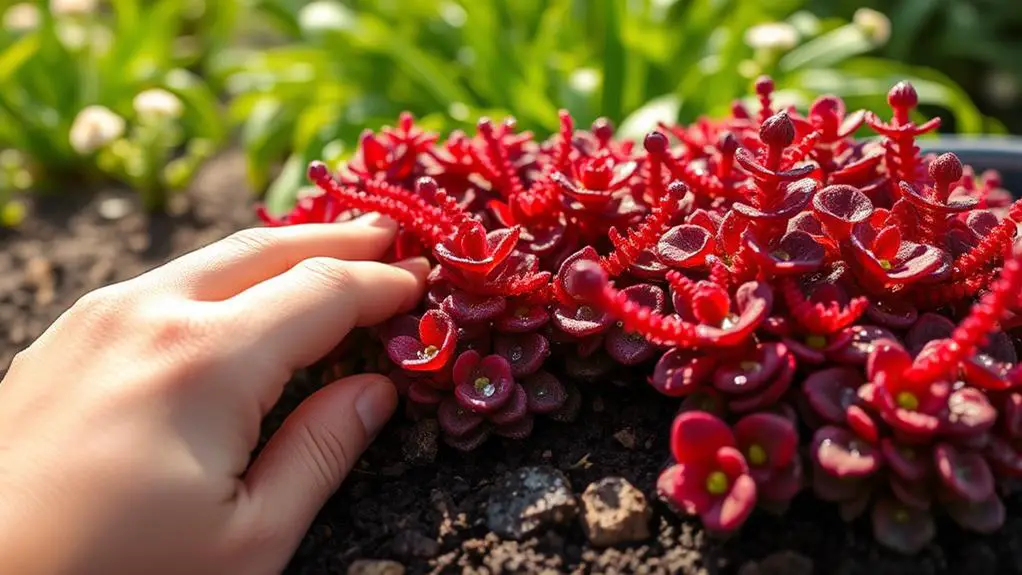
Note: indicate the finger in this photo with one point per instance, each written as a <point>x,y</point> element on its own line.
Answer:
<point>302,314</point>
<point>241,260</point>
<point>304,463</point>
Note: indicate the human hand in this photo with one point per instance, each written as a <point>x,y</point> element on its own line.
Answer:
<point>126,429</point>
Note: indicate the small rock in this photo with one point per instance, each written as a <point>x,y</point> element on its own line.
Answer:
<point>420,448</point>
<point>138,243</point>
<point>114,208</point>
<point>528,499</point>
<point>626,437</point>
<point>39,273</point>
<point>780,563</point>
<point>102,271</point>
<point>415,544</point>
<point>17,334</point>
<point>615,511</point>
<point>376,567</point>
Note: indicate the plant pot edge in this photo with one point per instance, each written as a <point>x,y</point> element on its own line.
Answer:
<point>984,152</point>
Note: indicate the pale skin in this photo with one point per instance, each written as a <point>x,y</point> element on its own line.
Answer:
<point>126,429</point>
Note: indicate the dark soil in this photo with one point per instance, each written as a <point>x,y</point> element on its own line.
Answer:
<point>429,513</point>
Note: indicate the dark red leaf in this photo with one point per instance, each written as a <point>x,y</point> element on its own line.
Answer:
<point>969,413</point>
<point>431,350</point>
<point>839,207</point>
<point>751,373</point>
<point>796,253</point>
<point>914,495</point>
<point>471,440</point>
<point>519,429</point>
<point>482,384</point>
<point>544,392</point>
<point>455,420</point>
<point>680,372</point>
<point>464,307</point>
<point>728,513</point>
<point>524,352</point>
<point>985,516</point>
<point>912,463</point>
<point>840,453</point>
<point>683,487</point>
<point>769,395</point>
<point>902,528</point>
<point>696,437</point>
<point>928,327</point>
<point>831,391</point>
<point>766,440</point>
<point>860,344</point>
<point>514,410</point>
<point>965,474</point>
<point>685,246</point>
<point>522,318</point>
<point>581,320</point>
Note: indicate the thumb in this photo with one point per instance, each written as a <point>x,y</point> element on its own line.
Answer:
<point>305,461</point>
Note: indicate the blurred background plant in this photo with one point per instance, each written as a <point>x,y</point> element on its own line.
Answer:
<point>348,66</point>
<point>977,43</point>
<point>301,79</point>
<point>72,73</point>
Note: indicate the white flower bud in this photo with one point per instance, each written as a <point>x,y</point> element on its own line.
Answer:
<point>21,17</point>
<point>157,102</point>
<point>772,36</point>
<point>72,7</point>
<point>95,127</point>
<point>875,25</point>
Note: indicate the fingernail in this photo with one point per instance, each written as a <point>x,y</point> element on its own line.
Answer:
<point>375,404</point>
<point>375,220</point>
<point>419,265</point>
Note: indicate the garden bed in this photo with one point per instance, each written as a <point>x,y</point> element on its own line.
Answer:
<point>428,510</point>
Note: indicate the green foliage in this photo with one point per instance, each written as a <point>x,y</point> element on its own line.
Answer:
<point>302,79</point>
<point>358,64</point>
<point>70,85</point>
<point>978,43</point>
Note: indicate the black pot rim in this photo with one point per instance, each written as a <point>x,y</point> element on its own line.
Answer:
<point>1001,153</point>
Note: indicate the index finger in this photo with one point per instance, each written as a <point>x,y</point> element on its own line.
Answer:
<point>302,314</point>
<point>243,259</point>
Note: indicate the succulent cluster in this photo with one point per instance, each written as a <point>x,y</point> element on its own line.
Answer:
<point>835,313</point>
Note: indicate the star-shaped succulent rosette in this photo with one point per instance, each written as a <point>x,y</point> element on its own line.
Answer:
<point>829,313</point>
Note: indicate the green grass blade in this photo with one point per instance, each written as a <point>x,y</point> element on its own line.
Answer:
<point>612,100</point>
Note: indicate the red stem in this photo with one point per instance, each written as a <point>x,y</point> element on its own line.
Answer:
<point>655,327</point>
<point>817,318</point>
<point>637,240</point>
<point>973,331</point>
<point>507,178</point>
<point>990,247</point>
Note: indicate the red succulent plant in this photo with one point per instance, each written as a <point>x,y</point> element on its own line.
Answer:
<point>711,476</point>
<point>768,269</point>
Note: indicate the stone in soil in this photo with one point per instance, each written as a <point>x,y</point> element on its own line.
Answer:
<point>626,437</point>
<point>530,499</point>
<point>615,512</point>
<point>413,544</point>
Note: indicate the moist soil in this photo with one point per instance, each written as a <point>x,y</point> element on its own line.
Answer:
<point>425,509</point>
